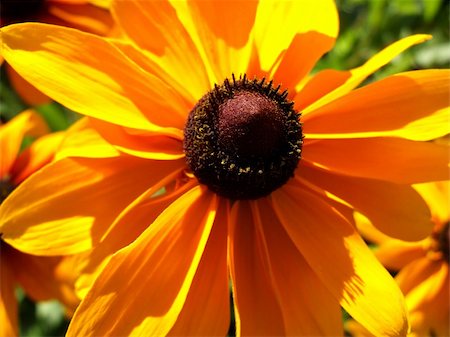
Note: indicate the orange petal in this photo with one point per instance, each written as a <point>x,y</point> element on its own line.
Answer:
<point>166,257</point>
<point>396,210</point>
<point>141,213</point>
<point>172,49</point>
<point>347,267</point>
<point>223,30</point>
<point>277,25</point>
<point>29,94</point>
<point>391,159</point>
<point>436,309</point>
<point>150,63</point>
<point>38,154</point>
<point>309,309</point>
<point>39,278</point>
<point>8,303</point>
<point>414,273</point>
<point>58,62</point>
<point>11,136</point>
<point>67,206</point>
<point>257,310</point>
<point>428,288</point>
<point>143,145</point>
<point>82,16</point>
<point>319,85</point>
<point>396,254</point>
<point>412,105</point>
<point>209,292</point>
<point>358,75</point>
<point>296,63</point>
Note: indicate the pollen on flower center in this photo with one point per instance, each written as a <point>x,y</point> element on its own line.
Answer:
<point>19,10</point>
<point>243,139</point>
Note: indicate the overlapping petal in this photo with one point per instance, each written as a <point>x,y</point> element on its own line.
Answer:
<point>257,310</point>
<point>91,76</point>
<point>346,82</point>
<point>73,201</point>
<point>152,276</point>
<point>396,210</point>
<point>82,140</point>
<point>342,261</point>
<point>280,25</point>
<point>12,134</point>
<point>140,213</point>
<point>34,157</point>
<point>396,160</point>
<point>141,144</point>
<point>309,308</point>
<point>412,105</point>
<point>171,49</point>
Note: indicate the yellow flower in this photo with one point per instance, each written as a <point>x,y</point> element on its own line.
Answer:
<point>422,266</point>
<point>87,15</point>
<point>287,243</point>
<point>41,278</point>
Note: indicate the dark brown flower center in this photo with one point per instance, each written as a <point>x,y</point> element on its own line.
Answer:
<point>14,11</point>
<point>243,139</point>
<point>443,239</point>
<point>6,187</point>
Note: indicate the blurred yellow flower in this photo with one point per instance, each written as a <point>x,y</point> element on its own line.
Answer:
<point>239,201</point>
<point>41,278</point>
<point>422,266</point>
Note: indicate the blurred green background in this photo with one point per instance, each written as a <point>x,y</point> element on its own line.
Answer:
<point>366,28</point>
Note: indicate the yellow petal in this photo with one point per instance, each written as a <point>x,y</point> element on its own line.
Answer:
<point>278,23</point>
<point>142,290</point>
<point>66,207</point>
<point>437,196</point>
<point>25,90</point>
<point>59,62</point>
<point>171,49</point>
<point>11,136</point>
<point>8,302</point>
<point>396,210</point>
<point>222,30</point>
<point>82,140</point>
<point>342,261</point>
<point>358,75</point>
<point>412,105</point>
<point>257,310</point>
<point>38,154</point>
<point>309,309</point>
<point>396,160</point>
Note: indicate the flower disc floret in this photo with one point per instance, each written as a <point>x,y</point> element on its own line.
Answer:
<point>243,139</point>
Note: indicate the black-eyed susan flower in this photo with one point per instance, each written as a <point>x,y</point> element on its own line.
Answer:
<point>42,278</point>
<point>87,15</point>
<point>421,267</point>
<point>205,102</point>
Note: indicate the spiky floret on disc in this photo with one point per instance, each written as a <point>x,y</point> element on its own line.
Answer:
<point>243,139</point>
